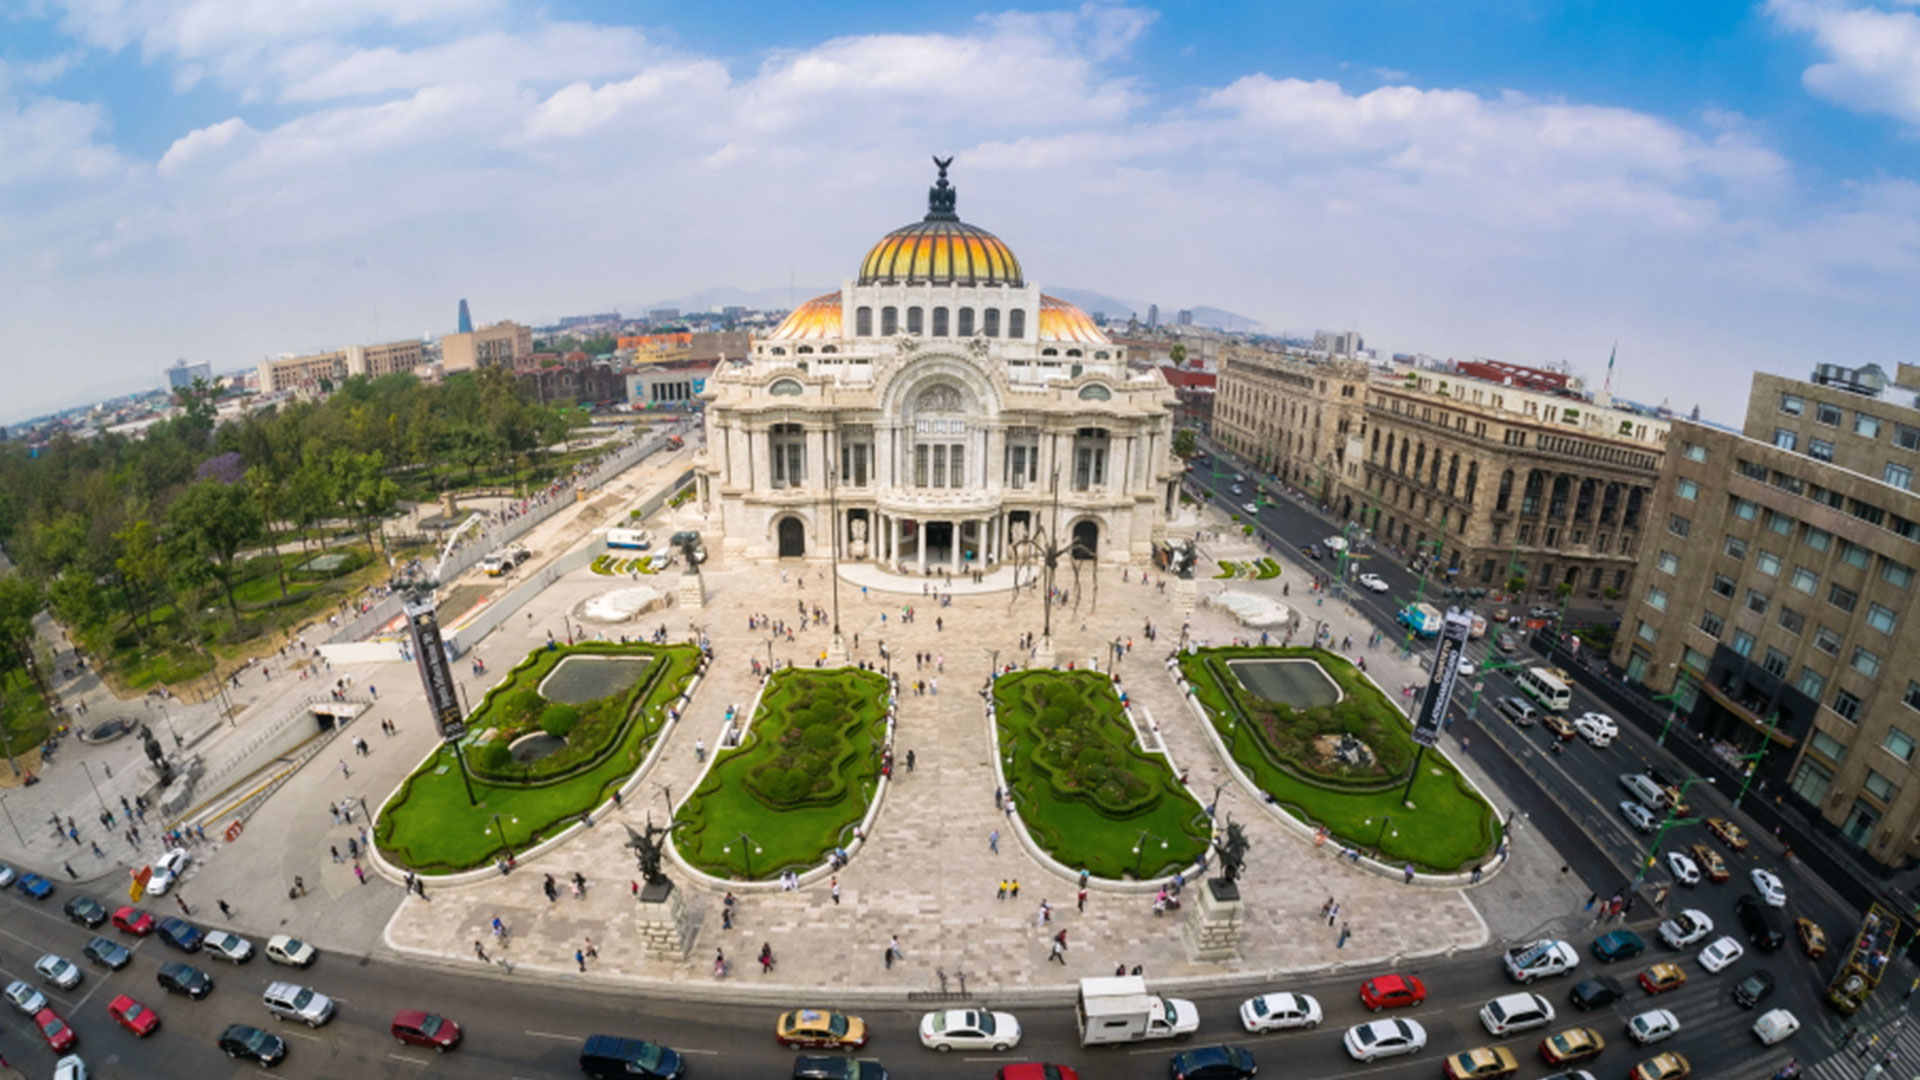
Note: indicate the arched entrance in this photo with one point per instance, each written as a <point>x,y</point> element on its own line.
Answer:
<point>1086,539</point>
<point>793,538</point>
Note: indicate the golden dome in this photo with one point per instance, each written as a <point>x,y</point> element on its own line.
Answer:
<point>940,249</point>
<point>1061,321</point>
<point>817,319</point>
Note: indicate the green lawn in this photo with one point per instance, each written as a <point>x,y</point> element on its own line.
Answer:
<point>23,712</point>
<point>798,784</point>
<point>1451,827</point>
<point>1086,792</point>
<point>429,825</point>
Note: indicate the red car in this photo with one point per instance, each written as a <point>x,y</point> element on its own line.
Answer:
<point>1033,1070</point>
<point>131,920</point>
<point>415,1028</point>
<point>1392,992</point>
<point>55,1031</point>
<point>133,1016</point>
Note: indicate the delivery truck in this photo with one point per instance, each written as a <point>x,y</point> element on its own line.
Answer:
<point>1118,1009</point>
<point>1422,619</point>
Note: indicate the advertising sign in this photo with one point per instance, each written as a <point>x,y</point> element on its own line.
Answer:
<point>1446,664</point>
<point>431,656</point>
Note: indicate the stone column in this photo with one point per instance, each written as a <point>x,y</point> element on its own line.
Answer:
<point>959,532</point>
<point>920,531</point>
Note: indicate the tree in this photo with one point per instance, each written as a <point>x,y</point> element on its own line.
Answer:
<point>1178,354</point>
<point>143,567</point>
<point>264,488</point>
<point>363,489</point>
<point>215,521</point>
<point>1185,444</point>
<point>21,600</point>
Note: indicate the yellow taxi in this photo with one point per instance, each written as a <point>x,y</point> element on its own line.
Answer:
<point>1484,1063</point>
<point>1727,833</point>
<point>1662,1067</point>
<point>1675,801</point>
<point>1573,1044</point>
<point>1661,978</point>
<point>1711,864</point>
<point>821,1029</point>
<point>1812,938</point>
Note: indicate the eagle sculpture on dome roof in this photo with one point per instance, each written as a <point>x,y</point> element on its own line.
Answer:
<point>940,197</point>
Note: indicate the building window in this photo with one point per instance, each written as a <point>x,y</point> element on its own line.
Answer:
<point>921,454</point>
<point>1792,621</point>
<point>1779,523</point>
<point>1906,438</point>
<point>1827,640</point>
<point>1793,404</point>
<point>1805,580</point>
<point>1775,663</point>
<point>1723,585</point>
<point>1768,563</point>
<point>1647,633</point>
<point>990,322</point>
<point>1899,744</point>
<point>940,326</point>
<point>1687,490</point>
<point>1828,415</point>
<point>1679,526</point>
<point>1742,643</point>
<point>1854,555</point>
<point>1833,749</point>
<point>916,320</point>
<point>1819,449</point>
<point>789,455</point>
<point>1785,439</point>
<point>1867,427</point>
<point>1817,539</point>
<point>1736,547</point>
<point>863,321</point>
<point>1756,602</point>
<point>1865,662</point>
<point>1811,683</point>
<point>1844,599</point>
<point>1812,781</point>
<point>1669,563</point>
<point>1899,476</point>
<point>1880,787</point>
<point>1657,599</point>
<point>1847,705</point>
<point>1712,623</point>
<point>1896,573</point>
<point>1746,510</point>
<point>1912,696</point>
<point>889,321</point>
<point>1698,661</point>
<point>966,322</point>
<point>1880,618</point>
<point>1017,323</point>
<point>1695,452</point>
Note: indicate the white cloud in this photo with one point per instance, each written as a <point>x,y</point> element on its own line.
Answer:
<point>195,146</point>
<point>1873,54</point>
<point>46,139</point>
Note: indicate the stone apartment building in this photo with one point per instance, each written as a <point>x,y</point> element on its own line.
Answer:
<point>1494,482</point>
<point>501,344</point>
<point>1776,595</point>
<point>1295,416</point>
<point>308,372</point>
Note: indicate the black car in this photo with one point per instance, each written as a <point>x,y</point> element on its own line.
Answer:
<point>1595,993</point>
<point>180,934</point>
<point>816,1067</point>
<point>1311,551</point>
<point>241,1041</point>
<point>1213,1063</point>
<point>107,953</point>
<point>611,1056</point>
<point>1761,923</point>
<point>178,978</point>
<point>1753,989</point>
<point>86,911</point>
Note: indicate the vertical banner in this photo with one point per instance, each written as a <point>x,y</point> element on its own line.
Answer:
<point>1446,663</point>
<point>431,656</point>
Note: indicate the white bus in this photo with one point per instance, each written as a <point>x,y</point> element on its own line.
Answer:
<point>1544,687</point>
<point>629,539</point>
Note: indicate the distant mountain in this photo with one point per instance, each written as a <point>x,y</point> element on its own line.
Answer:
<point>1221,320</point>
<point>1115,308</point>
<point>775,299</point>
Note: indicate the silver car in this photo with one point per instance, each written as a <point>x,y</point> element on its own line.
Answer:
<point>59,971</point>
<point>25,998</point>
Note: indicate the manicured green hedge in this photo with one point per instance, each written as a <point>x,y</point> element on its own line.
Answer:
<point>515,708</point>
<point>1286,733</point>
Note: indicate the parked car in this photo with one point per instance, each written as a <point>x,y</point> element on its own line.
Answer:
<point>107,953</point>
<point>1761,923</point>
<point>819,1067</point>
<point>6,875</point>
<point>25,999</point>
<point>1617,945</point>
<point>1722,952</point>
<point>1510,1013</point>
<point>55,1030</point>
<point>1376,1039</point>
<point>820,1028</point>
<point>1767,884</point>
<point>86,911</point>
<point>241,1041</point>
<point>969,1029</point>
<point>133,1016</point>
<point>291,951</point>
<point>1392,992</point>
<point>178,978</point>
<point>1273,1012</point>
<point>1652,1026</point>
<point>58,970</point>
<point>1753,989</point>
<point>1213,1063</point>
<point>414,1027</point>
<point>1595,993</point>
<point>35,886</point>
<point>1775,1025</point>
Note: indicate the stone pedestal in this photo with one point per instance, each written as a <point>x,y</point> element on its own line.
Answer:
<point>1212,929</point>
<point>837,651</point>
<point>693,590</point>
<point>1043,655</point>
<point>449,508</point>
<point>1186,596</point>
<point>665,933</point>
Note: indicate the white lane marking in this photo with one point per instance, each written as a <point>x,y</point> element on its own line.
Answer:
<point>410,1060</point>
<point>551,1035</point>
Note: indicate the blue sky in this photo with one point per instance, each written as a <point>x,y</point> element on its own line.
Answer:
<point>1721,186</point>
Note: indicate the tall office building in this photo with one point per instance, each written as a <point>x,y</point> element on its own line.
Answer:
<point>181,375</point>
<point>1153,316</point>
<point>1775,594</point>
<point>466,318</point>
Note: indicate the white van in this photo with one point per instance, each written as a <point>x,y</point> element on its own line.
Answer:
<point>1644,789</point>
<point>1546,688</point>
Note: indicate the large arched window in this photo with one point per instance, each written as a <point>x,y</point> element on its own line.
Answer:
<point>966,322</point>
<point>940,322</point>
<point>789,445</point>
<point>889,321</point>
<point>916,320</point>
<point>863,322</point>
<point>990,322</point>
<point>1506,490</point>
<point>1017,323</point>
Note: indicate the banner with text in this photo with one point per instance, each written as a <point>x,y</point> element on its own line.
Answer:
<point>1446,664</point>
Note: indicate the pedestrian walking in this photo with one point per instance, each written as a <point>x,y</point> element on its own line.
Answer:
<point>1080,901</point>
<point>766,957</point>
<point>700,749</point>
<point>1013,889</point>
<point>834,888</point>
<point>300,884</point>
<point>334,848</point>
<point>225,911</point>
<point>480,951</point>
<point>1333,913</point>
<point>593,952</point>
<point>580,958</point>
<point>1001,894</point>
<point>184,909</point>
<point>1409,873</point>
<point>1345,933</point>
<point>993,841</point>
<point>1059,952</point>
<point>360,872</point>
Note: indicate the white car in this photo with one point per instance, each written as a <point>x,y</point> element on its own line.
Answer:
<point>232,948</point>
<point>26,1000</point>
<point>167,870</point>
<point>1638,816</point>
<point>1775,1025</point>
<point>1722,952</point>
<point>1597,728</point>
<point>1465,668</point>
<point>1526,963</point>
<point>1652,1026</point>
<point>1767,884</point>
<point>1384,1038</point>
<point>1686,928</point>
<point>290,951</point>
<point>969,1029</point>
<point>1271,1012</point>
<point>6,875</point>
<point>1374,582</point>
<point>1683,868</point>
<point>70,1068</point>
<point>58,970</point>
<point>1251,508</point>
<point>1510,1013</point>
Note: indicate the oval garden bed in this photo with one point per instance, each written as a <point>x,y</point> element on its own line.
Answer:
<point>1090,797</point>
<point>429,825</point>
<point>1344,763</point>
<point>800,780</point>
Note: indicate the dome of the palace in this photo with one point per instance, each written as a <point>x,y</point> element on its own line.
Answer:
<point>817,319</point>
<point>940,249</point>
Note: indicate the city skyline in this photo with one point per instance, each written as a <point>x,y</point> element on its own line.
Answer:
<point>1723,189</point>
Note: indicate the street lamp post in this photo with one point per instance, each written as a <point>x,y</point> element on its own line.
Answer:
<point>1653,849</point>
<point>1139,850</point>
<point>748,849</point>
<point>1385,820</point>
<point>1753,759</point>
<point>10,821</point>
<point>501,830</point>
<point>833,552</point>
<point>96,787</point>
<point>1680,677</point>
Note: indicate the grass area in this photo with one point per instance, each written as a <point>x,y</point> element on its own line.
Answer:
<point>620,566</point>
<point>1266,569</point>
<point>1086,791</point>
<point>798,783</point>
<point>429,824</point>
<point>1451,827</point>
<point>680,498</point>
<point>23,712</point>
<point>1228,569</point>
